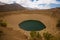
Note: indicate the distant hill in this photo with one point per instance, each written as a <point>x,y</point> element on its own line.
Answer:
<point>11,7</point>
<point>1,3</point>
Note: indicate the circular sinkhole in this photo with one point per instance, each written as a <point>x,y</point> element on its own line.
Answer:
<point>32,25</point>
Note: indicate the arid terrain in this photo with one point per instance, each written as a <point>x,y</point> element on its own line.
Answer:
<point>13,18</point>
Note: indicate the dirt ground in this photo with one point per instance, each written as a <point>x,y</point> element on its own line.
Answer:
<point>13,32</point>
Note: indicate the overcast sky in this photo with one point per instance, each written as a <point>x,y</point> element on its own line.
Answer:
<point>36,4</point>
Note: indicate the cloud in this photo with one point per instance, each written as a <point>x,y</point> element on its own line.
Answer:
<point>35,4</point>
<point>7,1</point>
<point>39,4</point>
<point>57,0</point>
<point>31,1</point>
<point>54,5</point>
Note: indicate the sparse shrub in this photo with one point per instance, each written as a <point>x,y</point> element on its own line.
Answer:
<point>3,24</point>
<point>1,35</point>
<point>1,32</point>
<point>47,36</point>
<point>58,23</point>
<point>35,35</point>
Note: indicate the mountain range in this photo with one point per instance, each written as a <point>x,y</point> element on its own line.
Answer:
<point>1,3</point>
<point>10,7</point>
